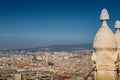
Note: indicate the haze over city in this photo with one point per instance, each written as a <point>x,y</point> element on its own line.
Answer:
<point>34,23</point>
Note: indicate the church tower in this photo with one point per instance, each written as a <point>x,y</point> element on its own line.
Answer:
<point>117,36</point>
<point>105,55</point>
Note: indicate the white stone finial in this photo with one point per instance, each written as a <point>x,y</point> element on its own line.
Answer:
<point>104,15</point>
<point>117,24</point>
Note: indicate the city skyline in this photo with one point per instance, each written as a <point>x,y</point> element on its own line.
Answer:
<point>34,23</point>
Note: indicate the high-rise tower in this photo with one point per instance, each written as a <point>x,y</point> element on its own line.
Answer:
<point>105,55</point>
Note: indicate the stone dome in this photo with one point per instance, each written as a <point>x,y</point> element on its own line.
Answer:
<point>104,39</point>
<point>117,33</point>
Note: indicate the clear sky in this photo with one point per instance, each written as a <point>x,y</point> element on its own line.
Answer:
<point>33,23</point>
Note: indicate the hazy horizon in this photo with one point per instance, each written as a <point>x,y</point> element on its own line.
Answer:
<point>34,23</point>
<point>46,46</point>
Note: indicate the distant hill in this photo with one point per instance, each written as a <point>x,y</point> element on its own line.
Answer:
<point>83,46</point>
<point>67,47</point>
<point>60,47</point>
<point>70,47</point>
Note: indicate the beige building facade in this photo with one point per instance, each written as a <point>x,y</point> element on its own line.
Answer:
<point>106,47</point>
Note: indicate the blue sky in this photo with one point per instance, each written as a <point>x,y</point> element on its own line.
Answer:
<point>33,23</point>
